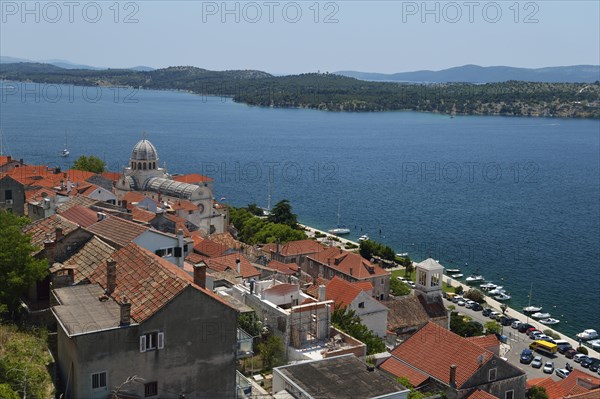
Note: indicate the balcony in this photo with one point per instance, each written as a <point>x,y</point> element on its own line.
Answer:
<point>244,344</point>
<point>244,387</point>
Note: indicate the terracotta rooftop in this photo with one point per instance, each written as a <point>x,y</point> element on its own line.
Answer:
<point>142,215</point>
<point>77,200</point>
<point>195,258</point>
<point>348,263</point>
<point>300,247</point>
<point>282,289</point>
<point>78,176</point>
<point>488,342</point>
<point>341,291</point>
<point>313,289</point>
<point>479,394</point>
<point>117,230</point>
<point>226,239</point>
<point>80,215</point>
<point>209,248</point>
<point>148,281</point>
<point>40,228</point>
<point>576,375</point>
<point>192,178</point>
<point>225,262</point>
<point>183,205</point>
<point>39,194</point>
<point>399,369</point>
<point>94,253</point>
<point>553,388</point>
<point>283,268</point>
<point>433,349</point>
<point>114,176</point>
<point>132,197</point>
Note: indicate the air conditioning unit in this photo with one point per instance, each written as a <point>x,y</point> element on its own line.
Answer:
<point>9,202</point>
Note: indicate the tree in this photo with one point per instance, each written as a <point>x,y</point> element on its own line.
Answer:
<point>255,210</point>
<point>18,269</point>
<point>271,351</point>
<point>89,164</point>
<point>398,288</point>
<point>458,289</point>
<point>475,295</point>
<point>282,213</point>
<point>536,392</point>
<point>492,327</point>
<point>346,320</point>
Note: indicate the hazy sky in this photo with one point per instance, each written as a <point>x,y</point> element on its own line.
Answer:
<point>304,36</point>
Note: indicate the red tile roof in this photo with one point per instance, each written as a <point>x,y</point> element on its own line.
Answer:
<point>341,291</point>
<point>283,268</point>
<point>593,394</point>
<point>117,230</point>
<point>183,205</point>
<point>226,239</point>
<point>195,258</point>
<point>208,247</point>
<point>488,342</point>
<point>434,349</point>
<point>142,215</point>
<point>83,216</point>
<point>40,228</point>
<point>94,253</point>
<point>313,290</point>
<point>78,176</point>
<point>148,281</point>
<point>300,247</point>
<point>281,289</point>
<point>132,197</point>
<point>399,369</point>
<point>569,382</point>
<point>114,176</point>
<point>192,178</point>
<point>479,394</point>
<point>553,388</point>
<point>225,262</point>
<point>348,263</point>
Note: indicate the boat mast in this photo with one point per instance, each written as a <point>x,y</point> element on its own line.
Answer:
<point>338,212</point>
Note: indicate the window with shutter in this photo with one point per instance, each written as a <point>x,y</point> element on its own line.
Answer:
<point>161,340</point>
<point>177,252</point>
<point>143,343</point>
<point>152,341</point>
<point>99,380</point>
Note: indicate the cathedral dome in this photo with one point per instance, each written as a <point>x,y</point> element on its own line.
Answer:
<point>144,151</point>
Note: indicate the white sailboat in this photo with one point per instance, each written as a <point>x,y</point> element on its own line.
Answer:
<point>65,152</point>
<point>339,230</point>
<point>529,308</point>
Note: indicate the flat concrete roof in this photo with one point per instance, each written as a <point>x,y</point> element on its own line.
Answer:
<point>81,311</point>
<point>340,377</point>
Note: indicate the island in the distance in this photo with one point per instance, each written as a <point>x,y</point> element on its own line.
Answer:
<point>331,92</point>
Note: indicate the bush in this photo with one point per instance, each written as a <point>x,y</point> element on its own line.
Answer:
<point>398,288</point>
<point>458,290</point>
<point>582,349</point>
<point>474,295</point>
<point>551,334</point>
<point>492,327</point>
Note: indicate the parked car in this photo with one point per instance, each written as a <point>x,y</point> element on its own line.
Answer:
<point>535,334</point>
<point>537,362</point>
<point>588,361</point>
<point>526,356</point>
<point>578,358</point>
<point>507,321</point>
<point>461,303</point>
<point>562,348</point>
<point>523,327</point>
<point>569,353</point>
<point>548,367</point>
<point>530,330</point>
<point>494,315</point>
<point>477,307</point>
<point>544,337</point>
<point>515,324</point>
<point>486,312</point>
<point>595,366</point>
<point>562,373</point>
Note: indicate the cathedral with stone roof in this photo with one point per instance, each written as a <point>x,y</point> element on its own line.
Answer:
<point>144,176</point>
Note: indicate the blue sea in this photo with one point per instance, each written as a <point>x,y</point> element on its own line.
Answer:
<point>516,199</point>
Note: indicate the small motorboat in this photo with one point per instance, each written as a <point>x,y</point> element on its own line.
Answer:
<point>532,309</point>
<point>549,321</point>
<point>339,231</point>
<point>364,237</point>
<point>457,275</point>
<point>475,278</point>
<point>402,254</point>
<point>502,297</point>
<point>588,334</point>
<point>595,344</point>
<point>488,286</point>
<point>540,315</point>
<point>497,291</point>
<point>452,271</point>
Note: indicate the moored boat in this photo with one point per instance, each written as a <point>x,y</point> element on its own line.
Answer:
<point>475,278</point>
<point>457,275</point>
<point>549,320</point>
<point>364,237</point>
<point>488,286</point>
<point>540,315</point>
<point>502,297</point>
<point>452,271</point>
<point>532,309</point>
<point>587,335</point>
<point>339,231</point>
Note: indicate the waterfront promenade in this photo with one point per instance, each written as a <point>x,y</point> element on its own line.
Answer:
<point>496,305</point>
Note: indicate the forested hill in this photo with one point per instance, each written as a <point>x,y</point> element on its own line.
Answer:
<point>335,92</point>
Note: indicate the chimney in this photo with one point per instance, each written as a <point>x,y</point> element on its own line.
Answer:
<point>111,276</point>
<point>125,312</point>
<point>453,376</point>
<point>49,247</point>
<point>8,158</point>
<point>101,216</point>
<point>351,271</point>
<point>58,232</point>
<point>181,259</point>
<point>238,266</point>
<point>200,274</point>
<point>322,293</point>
